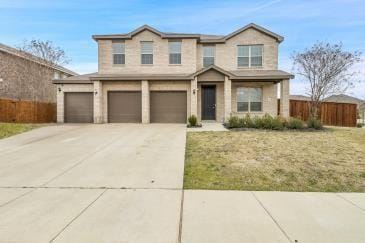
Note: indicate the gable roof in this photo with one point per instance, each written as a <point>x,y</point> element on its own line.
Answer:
<point>342,98</point>
<point>299,97</point>
<point>213,67</point>
<point>202,38</point>
<point>30,57</point>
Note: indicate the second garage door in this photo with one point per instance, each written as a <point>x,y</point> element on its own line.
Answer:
<point>168,106</point>
<point>124,106</point>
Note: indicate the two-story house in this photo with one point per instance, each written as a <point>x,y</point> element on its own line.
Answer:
<point>152,76</point>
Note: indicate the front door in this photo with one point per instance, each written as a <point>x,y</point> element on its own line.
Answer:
<point>208,103</point>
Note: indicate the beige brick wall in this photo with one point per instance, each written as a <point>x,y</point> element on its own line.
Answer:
<point>69,88</point>
<point>269,98</point>
<point>226,54</point>
<point>160,57</point>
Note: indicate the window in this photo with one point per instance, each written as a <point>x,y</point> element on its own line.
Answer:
<point>208,55</point>
<point>249,99</point>
<point>147,52</point>
<point>249,56</point>
<point>56,75</point>
<point>118,53</point>
<point>175,52</point>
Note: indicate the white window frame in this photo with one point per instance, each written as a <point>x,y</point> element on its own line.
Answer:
<point>146,53</point>
<point>175,52</point>
<point>249,99</point>
<point>213,56</point>
<point>118,53</point>
<point>250,56</point>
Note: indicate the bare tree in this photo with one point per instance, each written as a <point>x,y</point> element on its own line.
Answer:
<point>328,69</point>
<point>46,51</point>
<point>49,57</point>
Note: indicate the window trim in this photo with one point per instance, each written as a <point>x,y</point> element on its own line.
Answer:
<point>249,99</point>
<point>152,53</point>
<point>173,41</point>
<point>249,56</point>
<point>214,54</point>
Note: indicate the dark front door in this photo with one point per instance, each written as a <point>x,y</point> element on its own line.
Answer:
<point>208,103</point>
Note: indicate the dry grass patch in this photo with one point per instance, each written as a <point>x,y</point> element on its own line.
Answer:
<point>331,160</point>
<point>10,129</point>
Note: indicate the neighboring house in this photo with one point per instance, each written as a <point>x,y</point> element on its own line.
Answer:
<point>152,76</point>
<point>26,77</point>
<point>300,97</point>
<point>342,98</point>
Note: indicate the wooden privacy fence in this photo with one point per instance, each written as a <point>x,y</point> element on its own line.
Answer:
<point>331,113</point>
<point>27,111</point>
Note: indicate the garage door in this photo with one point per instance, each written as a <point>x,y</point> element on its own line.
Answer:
<point>168,106</point>
<point>124,106</point>
<point>79,107</point>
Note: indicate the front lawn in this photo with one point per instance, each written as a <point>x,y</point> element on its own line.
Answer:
<point>10,129</point>
<point>331,160</point>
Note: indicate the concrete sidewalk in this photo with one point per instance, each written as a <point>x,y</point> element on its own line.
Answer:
<point>239,216</point>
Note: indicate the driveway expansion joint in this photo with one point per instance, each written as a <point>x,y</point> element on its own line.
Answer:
<point>78,215</point>
<point>349,201</point>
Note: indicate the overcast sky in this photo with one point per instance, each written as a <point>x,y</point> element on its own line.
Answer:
<point>70,24</point>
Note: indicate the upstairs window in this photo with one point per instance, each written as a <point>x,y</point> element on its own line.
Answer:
<point>249,56</point>
<point>118,53</point>
<point>249,99</point>
<point>208,55</point>
<point>175,52</point>
<point>147,52</point>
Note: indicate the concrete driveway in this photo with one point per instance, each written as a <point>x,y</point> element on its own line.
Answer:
<point>92,183</point>
<point>123,183</point>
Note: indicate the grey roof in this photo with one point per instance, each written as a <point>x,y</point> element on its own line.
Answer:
<point>299,97</point>
<point>84,78</point>
<point>30,57</point>
<point>203,38</point>
<point>117,77</point>
<point>342,98</point>
<point>263,75</point>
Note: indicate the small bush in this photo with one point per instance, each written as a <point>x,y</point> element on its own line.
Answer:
<point>314,123</point>
<point>233,122</point>
<point>294,123</point>
<point>193,121</point>
<point>258,122</point>
<point>359,125</point>
<point>278,123</point>
<point>248,122</point>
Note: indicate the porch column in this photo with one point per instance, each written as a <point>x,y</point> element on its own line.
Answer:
<point>227,98</point>
<point>284,98</point>
<point>145,101</point>
<point>98,98</point>
<point>194,97</point>
<point>60,104</point>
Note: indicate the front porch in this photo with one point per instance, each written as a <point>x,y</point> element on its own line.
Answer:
<point>216,95</point>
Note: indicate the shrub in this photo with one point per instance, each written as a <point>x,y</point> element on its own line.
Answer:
<point>359,125</point>
<point>278,123</point>
<point>314,123</point>
<point>193,120</point>
<point>248,122</point>
<point>294,123</point>
<point>233,122</point>
<point>257,122</point>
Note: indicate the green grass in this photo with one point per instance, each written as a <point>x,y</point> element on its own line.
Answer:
<point>328,161</point>
<point>10,129</point>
